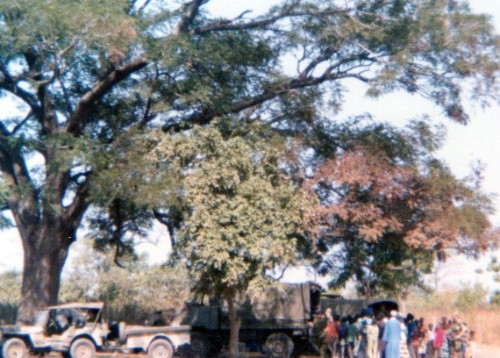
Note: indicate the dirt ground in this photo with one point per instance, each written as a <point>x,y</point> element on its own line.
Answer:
<point>483,351</point>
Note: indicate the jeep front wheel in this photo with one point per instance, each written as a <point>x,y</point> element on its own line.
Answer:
<point>82,348</point>
<point>14,348</point>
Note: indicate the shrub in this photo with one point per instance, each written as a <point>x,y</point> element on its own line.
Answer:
<point>495,299</point>
<point>471,297</point>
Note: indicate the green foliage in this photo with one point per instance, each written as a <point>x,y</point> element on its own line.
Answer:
<point>495,299</point>
<point>426,300</point>
<point>10,287</point>
<point>131,293</point>
<point>471,297</point>
<point>243,215</point>
<point>5,221</point>
<point>10,292</point>
<point>53,25</point>
<point>494,267</point>
<point>89,75</point>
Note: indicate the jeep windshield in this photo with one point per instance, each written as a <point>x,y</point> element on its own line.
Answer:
<point>41,318</point>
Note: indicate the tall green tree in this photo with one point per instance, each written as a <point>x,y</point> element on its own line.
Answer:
<point>85,73</point>
<point>243,215</point>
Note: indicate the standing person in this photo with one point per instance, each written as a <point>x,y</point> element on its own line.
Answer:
<point>458,333</point>
<point>439,338</point>
<point>362,336</point>
<point>317,327</point>
<point>342,337</point>
<point>415,338</point>
<point>351,336</point>
<point>431,333</point>
<point>446,345</point>
<point>372,331</point>
<point>411,326</point>
<point>392,336</point>
<point>331,332</point>
<point>470,351</point>
<point>381,325</point>
<point>423,339</point>
<point>403,347</point>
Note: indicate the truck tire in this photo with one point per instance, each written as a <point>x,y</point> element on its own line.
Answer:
<point>200,345</point>
<point>160,348</point>
<point>14,348</point>
<point>82,348</point>
<point>279,345</point>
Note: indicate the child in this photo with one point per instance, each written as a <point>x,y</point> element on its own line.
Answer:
<point>470,351</point>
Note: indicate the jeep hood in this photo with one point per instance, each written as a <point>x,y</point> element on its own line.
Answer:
<point>15,329</point>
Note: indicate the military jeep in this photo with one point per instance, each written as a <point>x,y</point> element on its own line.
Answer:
<point>80,330</point>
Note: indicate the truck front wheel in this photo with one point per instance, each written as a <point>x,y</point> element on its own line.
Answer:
<point>279,345</point>
<point>160,348</point>
<point>14,348</point>
<point>82,348</point>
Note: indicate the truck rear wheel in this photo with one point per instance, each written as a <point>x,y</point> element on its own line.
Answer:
<point>160,348</point>
<point>82,348</point>
<point>279,345</point>
<point>200,345</point>
<point>14,348</point>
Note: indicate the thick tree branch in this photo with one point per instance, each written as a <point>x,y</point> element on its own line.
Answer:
<point>74,213</point>
<point>192,9</point>
<point>143,6</point>
<point>22,123</point>
<point>289,12</point>
<point>23,195</point>
<point>171,221</point>
<point>207,116</point>
<point>83,109</point>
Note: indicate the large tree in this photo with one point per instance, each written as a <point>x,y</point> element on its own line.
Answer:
<point>84,73</point>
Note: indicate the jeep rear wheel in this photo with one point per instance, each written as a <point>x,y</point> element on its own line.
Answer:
<point>82,348</point>
<point>160,348</point>
<point>14,348</point>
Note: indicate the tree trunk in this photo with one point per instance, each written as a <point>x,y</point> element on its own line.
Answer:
<point>44,259</point>
<point>234,324</point>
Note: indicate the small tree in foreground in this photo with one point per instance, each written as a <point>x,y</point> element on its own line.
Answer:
<point>242,214</point>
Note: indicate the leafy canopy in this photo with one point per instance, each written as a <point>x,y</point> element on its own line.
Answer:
<point>390,208</point>
<point>86,76</point>
<point>242,214</point>
<point>83,72</point>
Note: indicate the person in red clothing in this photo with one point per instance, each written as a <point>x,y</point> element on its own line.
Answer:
<point>332,332</point>
<point>439,340</point>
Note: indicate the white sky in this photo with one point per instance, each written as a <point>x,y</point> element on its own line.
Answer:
<point>479,140</point>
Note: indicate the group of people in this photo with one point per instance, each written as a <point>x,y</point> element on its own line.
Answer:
<point>391,336</point>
